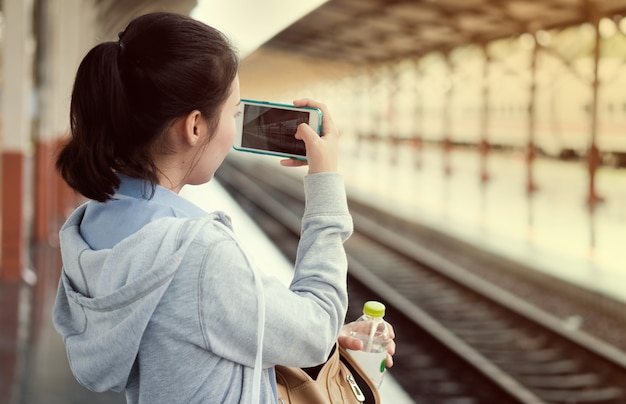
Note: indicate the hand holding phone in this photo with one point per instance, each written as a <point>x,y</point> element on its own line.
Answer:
<point>322,150</point>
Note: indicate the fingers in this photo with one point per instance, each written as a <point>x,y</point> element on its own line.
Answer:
<point>328,126</point>
<point>391,347</point>
<point>293,163</point>
<point>392,333</point>
<point>321,150</point>
<point>389,361</point>
<point>350,342</point>
<point>391,351</point>
<point>356,344</point>
<point>306,133</point>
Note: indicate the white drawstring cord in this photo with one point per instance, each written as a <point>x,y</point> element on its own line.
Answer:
<point>260,292</point>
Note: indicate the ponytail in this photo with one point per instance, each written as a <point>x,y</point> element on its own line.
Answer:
<point>98,113</point>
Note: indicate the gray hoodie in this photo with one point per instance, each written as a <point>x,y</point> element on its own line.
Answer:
<point>170,312</point>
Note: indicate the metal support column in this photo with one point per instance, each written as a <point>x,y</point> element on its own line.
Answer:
<point>593,154</point>
<point>484,118</point>
<point>362,110</point>
<point>392,115</point>
<point>416,140</point>
<point>531,186</point>
<point>447,141</point>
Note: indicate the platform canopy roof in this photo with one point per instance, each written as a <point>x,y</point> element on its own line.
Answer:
<point>381,30</point>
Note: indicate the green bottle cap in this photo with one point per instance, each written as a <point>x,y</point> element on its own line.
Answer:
<point>374,309</point>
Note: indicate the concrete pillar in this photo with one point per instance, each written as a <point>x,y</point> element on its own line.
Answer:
<point>45,198</point>
<point>54,94</point>
<point>18,48</point>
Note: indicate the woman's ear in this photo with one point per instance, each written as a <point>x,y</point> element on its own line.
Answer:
<point>193,127</point>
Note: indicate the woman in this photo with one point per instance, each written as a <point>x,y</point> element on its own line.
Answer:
<point>156,296</point>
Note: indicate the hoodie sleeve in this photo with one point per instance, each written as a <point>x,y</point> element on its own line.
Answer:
<point>302,322</point>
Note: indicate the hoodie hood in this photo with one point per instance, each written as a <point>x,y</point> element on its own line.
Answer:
<point>106,297</point>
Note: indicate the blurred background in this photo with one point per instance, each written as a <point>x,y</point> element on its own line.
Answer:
<point>501,123</point>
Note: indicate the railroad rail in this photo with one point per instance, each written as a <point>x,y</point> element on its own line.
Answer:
<point>460,337</point>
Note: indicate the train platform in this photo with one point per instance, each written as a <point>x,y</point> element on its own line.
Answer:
<point>552,229</point>
<point>33,364</point>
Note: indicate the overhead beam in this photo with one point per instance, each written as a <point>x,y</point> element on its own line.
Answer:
<point>348,30</point>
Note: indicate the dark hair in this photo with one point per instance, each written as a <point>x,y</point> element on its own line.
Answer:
<point>127,93</point>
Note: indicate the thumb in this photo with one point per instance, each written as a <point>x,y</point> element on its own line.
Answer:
<point>306,133</point>
<point>350,342</point>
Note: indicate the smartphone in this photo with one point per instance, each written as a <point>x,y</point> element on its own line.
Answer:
<point>269,128</point>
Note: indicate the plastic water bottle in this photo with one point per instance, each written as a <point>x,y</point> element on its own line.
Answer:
<point>371,329</point>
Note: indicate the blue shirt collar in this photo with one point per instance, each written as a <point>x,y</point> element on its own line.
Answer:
<point>136,188</point>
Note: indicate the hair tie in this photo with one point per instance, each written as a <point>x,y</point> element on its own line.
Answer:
<point>119,40</point>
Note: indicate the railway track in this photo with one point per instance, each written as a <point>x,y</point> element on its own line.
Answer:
<point>460,338</point>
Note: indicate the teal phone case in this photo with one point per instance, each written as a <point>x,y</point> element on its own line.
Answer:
<point>279,154</point>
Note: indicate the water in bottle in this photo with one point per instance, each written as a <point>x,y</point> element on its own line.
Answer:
<point>372,330</point>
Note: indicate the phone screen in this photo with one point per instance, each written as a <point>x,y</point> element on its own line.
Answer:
<point>272,129</point>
